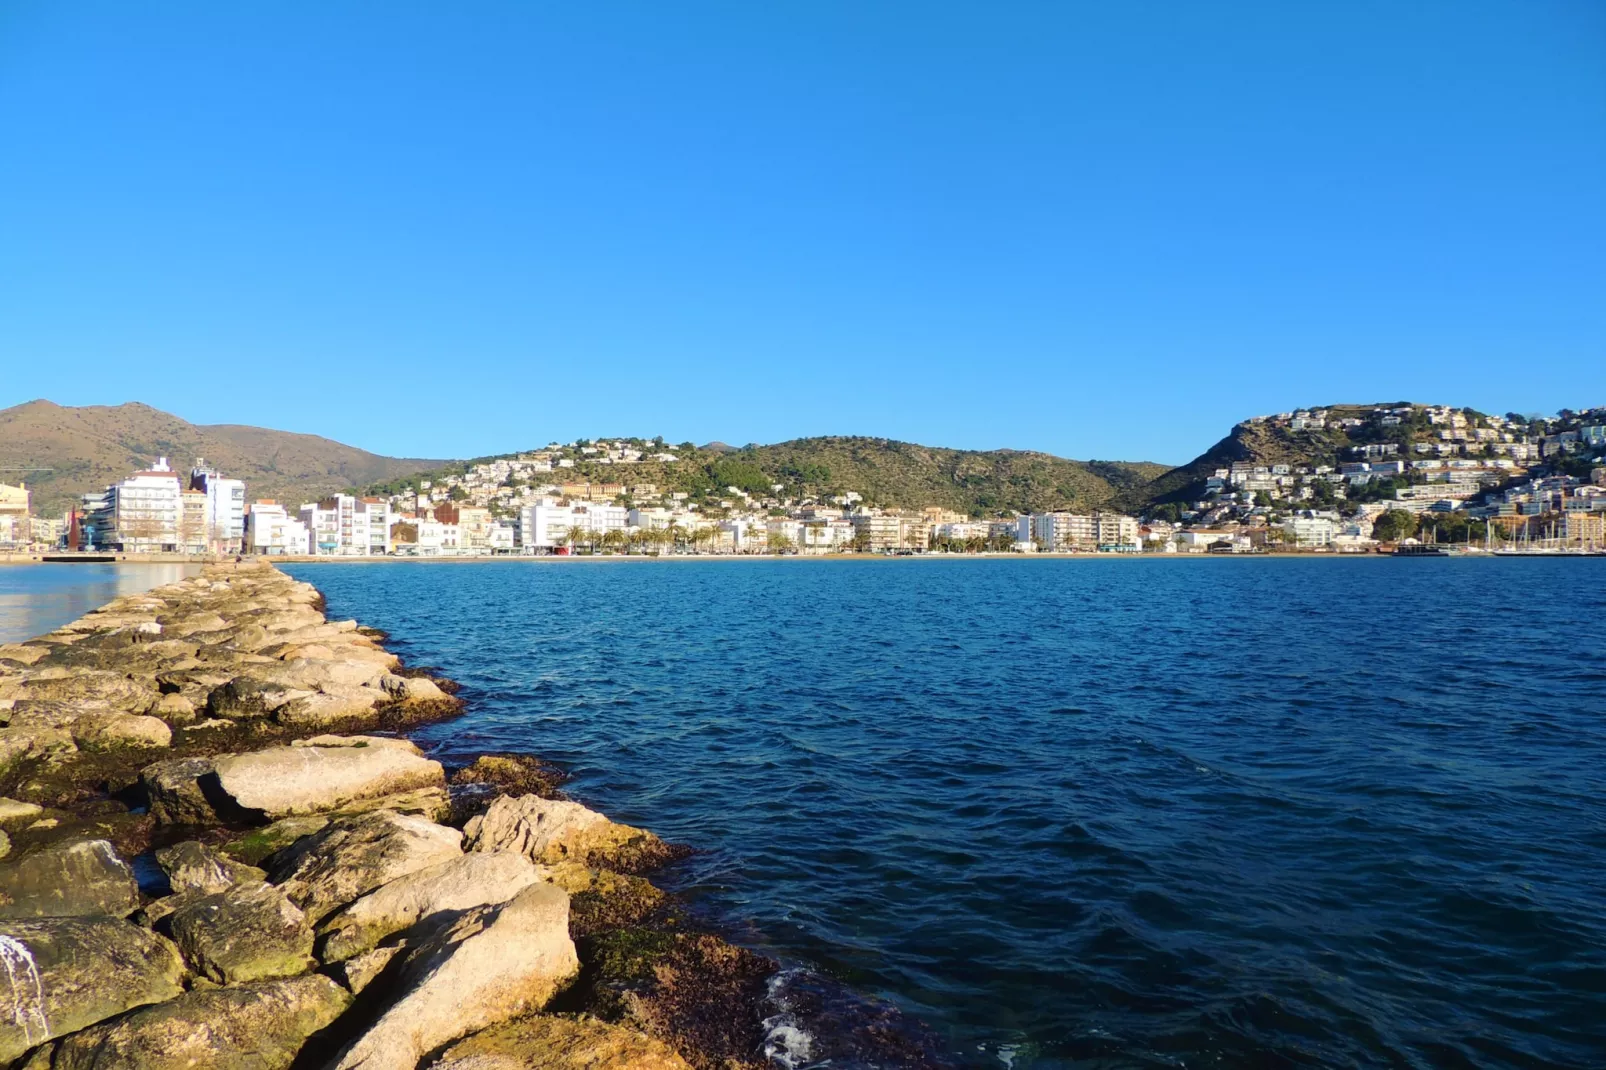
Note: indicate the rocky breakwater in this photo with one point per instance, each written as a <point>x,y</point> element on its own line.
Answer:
<point>218,853</point>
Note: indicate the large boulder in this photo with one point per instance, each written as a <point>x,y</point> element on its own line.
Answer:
<point>183,791</point>
<point>68,973</point>
<point>250,932</point>
<point>14,812</point>
<point>492,964</point>
<point>241,699</point>
<point>257,845</point>
<point>246,1027</point>
<point>92,688</point>
<point>68,879</point>
<point>20,744</point>
<point>324,773</point>
<point>115,731</point>
<point>550,831</point>
<point>460,883</point>
<point>351,856</point>
<point>322,710</point>
<point>192,866</point>
<point>412,688</point>
<point>549,1042</point>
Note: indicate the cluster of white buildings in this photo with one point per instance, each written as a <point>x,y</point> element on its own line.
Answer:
<point>160,511</point>
<point>19,528</point>
<point>1414,459</point>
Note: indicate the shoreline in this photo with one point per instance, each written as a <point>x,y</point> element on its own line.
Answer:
<point>316,559</point>
<point>134,730</point>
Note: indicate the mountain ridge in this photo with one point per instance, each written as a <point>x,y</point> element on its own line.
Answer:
<point>87,447</point>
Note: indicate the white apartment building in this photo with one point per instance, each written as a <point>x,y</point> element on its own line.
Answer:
<point>436,538</point>
<point>1115,531</point>
<point>543,524</point>
<point>346,526</point>
<point>1080,531</point>
<point>15,529</point>
<point>1310,531</point>
<point>225,508</point>
<point>877,532</point>
<point>146,510</point>
<point>597,518</point>
<point>547,523</point>
<point>501,537</point>
<point>269,529</point>
<point>1059,531</point>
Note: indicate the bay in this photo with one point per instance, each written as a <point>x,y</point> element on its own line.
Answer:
<point>1203,813</point>
<point>37,598</point>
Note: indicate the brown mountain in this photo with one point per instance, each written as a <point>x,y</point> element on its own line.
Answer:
<point>86,448</point>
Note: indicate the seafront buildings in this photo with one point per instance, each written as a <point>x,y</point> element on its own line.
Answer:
<point>1405,473</point>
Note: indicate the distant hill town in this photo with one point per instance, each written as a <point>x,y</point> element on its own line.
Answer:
<point>1330,478</point>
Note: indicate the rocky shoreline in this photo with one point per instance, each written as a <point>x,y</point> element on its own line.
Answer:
<point>218,850</point>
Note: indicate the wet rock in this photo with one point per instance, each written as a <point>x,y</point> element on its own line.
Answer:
<point>258,844</point>
<point>457,884</point>
<point>513,774</point>
<point>550,831</point>
<point>695,992</point>
<point>416,689</point>
<point>68,880</point>
<point>64,974</point>
<point>551,1042</point>
<point>492,964</point>
<point>260,1026</point>
<point>325,774</point>
<point>193,867</point>
<point>250,932</point>
<point>600,899</point>
<point>352,856</point>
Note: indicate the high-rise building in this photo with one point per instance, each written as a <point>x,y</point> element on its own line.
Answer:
<point>225,508</point>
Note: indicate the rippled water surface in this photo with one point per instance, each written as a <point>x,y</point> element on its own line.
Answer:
<point>37,598</point>
<point>1204,813</point>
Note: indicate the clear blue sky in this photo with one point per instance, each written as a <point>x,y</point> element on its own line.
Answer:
<point>1098,229</point>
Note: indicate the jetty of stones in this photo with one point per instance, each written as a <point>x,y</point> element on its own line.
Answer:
<point>218,849</point>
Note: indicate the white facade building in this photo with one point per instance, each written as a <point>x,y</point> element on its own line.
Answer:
<point>271,530</point>
<point>1310,530</point>
<point>346,526</point>
<point>225,508</point>
<point>147,508</point>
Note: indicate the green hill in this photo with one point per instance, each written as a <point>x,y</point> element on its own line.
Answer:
<point>885,472</point>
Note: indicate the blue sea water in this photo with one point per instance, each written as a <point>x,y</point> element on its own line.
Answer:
<point>1085,813</point>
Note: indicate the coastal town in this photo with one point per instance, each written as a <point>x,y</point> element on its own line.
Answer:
<point>1408,475</point>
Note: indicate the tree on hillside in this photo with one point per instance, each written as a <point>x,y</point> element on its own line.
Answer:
<point>1394,525</point>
